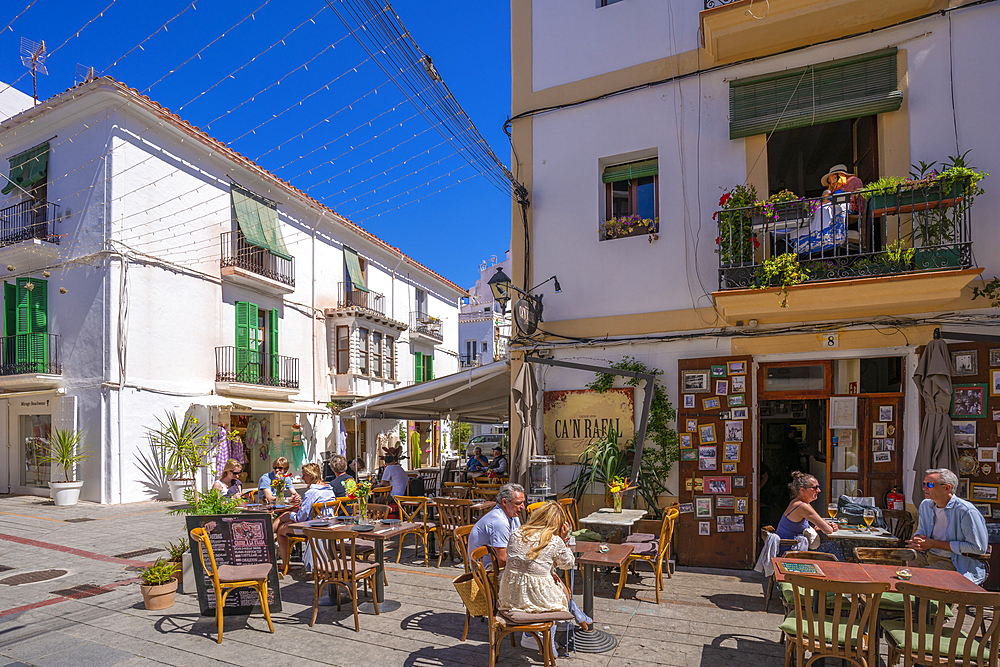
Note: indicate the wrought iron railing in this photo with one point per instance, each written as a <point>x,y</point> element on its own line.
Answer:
<point>847,235</point>
<point>28,220</point>
<point>236,251</point>
<point>352,298</point>
<point>248,367</point>
<point>424,324</point>
<point>30,353</point>
<point>469,361</point>
<point>711,4</point>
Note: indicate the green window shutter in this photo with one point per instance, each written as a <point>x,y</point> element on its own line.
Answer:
<point>31,323</point>
<point>258,220</point>
<point>624,172</point>
<point>862,85</point>
<point>272,343</point>
<point>247,342</point>
<point>428,367</point>
<point>9,309</point>
<point>418,367</point>
<point>28,168</point>
<point>354,271</point>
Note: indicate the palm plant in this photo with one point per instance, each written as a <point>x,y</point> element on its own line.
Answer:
<point>184,445</point>
<point>602,461</point>
<point>64,451</point>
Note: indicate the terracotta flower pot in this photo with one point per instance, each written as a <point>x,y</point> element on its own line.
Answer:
<point>159,597</point>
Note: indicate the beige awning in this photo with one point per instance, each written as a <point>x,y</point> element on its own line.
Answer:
<point>479,395</point>
<point>279,406</point>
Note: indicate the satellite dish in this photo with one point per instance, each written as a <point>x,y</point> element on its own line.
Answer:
<point>527,315</point>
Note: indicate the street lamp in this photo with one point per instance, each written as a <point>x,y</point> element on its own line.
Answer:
<point>500,286</point>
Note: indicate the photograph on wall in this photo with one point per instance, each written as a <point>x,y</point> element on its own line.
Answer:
<point>740,482</point>
<point>878,444</point>
<point>878,430</point>
<point>737,367</point>
<point>889,444</point>
<point>741,506</point>
<point>710,403</point>
<point>717,484</point>
<point>882,457</point>
<point>986,455</point>
<point>721,387</point>
<point>995,357</point>
<point>706,433</point>
<point>695,382</point>
<point>740,413</point>
<point>885,413</point>
<point>689,454</point>
<point>965,433</point>
<point>987,492</point>
<point>686,440</point>
<point>968,400</point>
<point>964,362</point>
<point>737,525</point>
<point>692,425</point>
<point>738,383</point>
<point>728,467</point>
<point>703,507</point>
<point>725,502</point>
<point>685,508</point>
<point>708,464</point>
<point>689,401</point>
<point>843,412</point>
<point>984,508</point>
<point>734,431</point>
<point>704,528</point>
<point>731,452</point>
<point>739,400</point>
<point>963,488</point>
<point>718,371</point>
<point>995,382</point>
<point>723,524</point>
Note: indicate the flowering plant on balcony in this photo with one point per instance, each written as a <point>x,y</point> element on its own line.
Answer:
<point>630,225</point>
<point>736,240</point>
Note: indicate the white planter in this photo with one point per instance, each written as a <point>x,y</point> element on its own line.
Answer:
<point>65,493</point>
<point>177,487</point>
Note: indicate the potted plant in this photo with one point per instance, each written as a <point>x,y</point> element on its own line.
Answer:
<point>64,452</point>
<point>629,225</point>
<point>601,462</point>
<point>783,206</point>
<point>184,446</point>
<point>782,271</point>
<point>159,585</point>
<point>208,503</point>
<point>736,239</point>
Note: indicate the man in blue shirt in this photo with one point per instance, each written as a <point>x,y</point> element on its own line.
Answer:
<point>280,466</point>
<point>477,462</point>
<point>948,529</point>
<point>495,527</point>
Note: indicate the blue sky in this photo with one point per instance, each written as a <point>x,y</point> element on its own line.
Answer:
<point>363,150</point>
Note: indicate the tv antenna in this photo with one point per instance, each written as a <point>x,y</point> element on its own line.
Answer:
<point>84,74</point>
<point>33,55</point>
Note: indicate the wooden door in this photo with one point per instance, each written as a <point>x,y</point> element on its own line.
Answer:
<point>706,404</point>
<point>867,460</point>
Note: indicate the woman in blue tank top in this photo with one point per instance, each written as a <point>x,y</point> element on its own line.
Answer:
<point>800,513</point>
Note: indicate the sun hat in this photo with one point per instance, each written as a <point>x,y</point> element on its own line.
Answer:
<point>835,169</point>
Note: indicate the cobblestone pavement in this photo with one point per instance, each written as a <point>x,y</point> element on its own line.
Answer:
<point>706,617</point>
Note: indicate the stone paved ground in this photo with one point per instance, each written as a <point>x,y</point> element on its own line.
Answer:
<point>706,618</point>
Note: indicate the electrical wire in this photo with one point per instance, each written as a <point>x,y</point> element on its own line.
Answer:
<point>30,5</point>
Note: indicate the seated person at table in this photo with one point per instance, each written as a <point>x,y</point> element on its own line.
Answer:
<point>265,492</point>
<point>317,491</point>
<point>499,462</point>
<point>495,527</point>
<point>948,529</point>
<point>529,583</point>
<point>799,514</point>
<point>229,482</point>
<point>354,467</point>
<point>339,483</point>
<point>394,475</point>
<point>477,462</point>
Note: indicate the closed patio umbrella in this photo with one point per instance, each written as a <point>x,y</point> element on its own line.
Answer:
<point>936,448</point>
<point>524,395</point>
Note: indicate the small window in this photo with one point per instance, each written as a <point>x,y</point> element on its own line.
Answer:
<point>343,349</point>
<point>390,359</point>
<point>376,354</point>
<point>421,303</point>
<point>363,351</point>
<point>631,200</point>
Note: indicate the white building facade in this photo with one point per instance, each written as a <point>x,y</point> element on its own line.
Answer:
<point>151,269</point>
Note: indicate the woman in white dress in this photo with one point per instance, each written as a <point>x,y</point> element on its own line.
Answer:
<point>529,582</point>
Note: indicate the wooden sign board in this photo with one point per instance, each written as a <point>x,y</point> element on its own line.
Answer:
<point>237,539</point>
<point>575,418</point>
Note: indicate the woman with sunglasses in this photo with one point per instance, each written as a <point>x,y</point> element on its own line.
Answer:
<point>800,513</point>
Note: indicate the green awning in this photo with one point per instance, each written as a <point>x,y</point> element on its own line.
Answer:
<point>354,269</point>
<point>258,220</point>
<point>28,168</point>
<point>624,172</point>
<point>862,85</point>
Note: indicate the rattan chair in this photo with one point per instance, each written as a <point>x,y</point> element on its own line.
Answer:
<point>225,578</point>
<point>653,553</point>
<point>335,562</point>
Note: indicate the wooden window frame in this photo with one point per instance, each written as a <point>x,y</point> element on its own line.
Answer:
<point>764,395</point>
<point>364,351</point>
<point>343,353</point>
<point>376,353</point>
<point>390,357</point>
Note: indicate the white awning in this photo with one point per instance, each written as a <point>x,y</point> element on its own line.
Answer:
<point>479,395</point>
<point>279,406</point>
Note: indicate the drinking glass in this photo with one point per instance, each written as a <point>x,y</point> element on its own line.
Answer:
<point>831,510</point>
<point>869,516</point>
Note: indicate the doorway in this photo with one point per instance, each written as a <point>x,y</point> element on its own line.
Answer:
<point>793,438</point>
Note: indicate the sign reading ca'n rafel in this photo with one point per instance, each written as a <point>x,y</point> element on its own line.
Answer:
<point>575,418</point>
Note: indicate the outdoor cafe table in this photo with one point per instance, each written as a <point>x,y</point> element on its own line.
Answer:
<point>924,576</point>
<point>381,533</point>
<point>606,516</point>
<point>596,641</point>
<point>849,538</point>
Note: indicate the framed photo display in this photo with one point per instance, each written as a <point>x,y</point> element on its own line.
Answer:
<point>695,382</point>
<point>964,362</point>
<point>843,412</point>
<point>968,400</point>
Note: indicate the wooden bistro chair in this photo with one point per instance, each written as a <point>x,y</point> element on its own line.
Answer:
<point>461,536</point>
<point>453,513</point>
<point>486,491</point>
<point>900,523</point>
<point>922,638</point>
<point>884,556</point>
<point>317,509</point>
<point>503,623</point>
<point>456,489</point>
<point>653,553</point>
<point>572,511</point>
<point>225,578</point>
<point>413,509</point>
<point>844,627</point>
<point>382,495</point>
<point>335,562</point>
<point>764,531</point>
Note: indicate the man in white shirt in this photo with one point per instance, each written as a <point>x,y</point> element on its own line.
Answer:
<point>394,475</point>
<point>495,527</point>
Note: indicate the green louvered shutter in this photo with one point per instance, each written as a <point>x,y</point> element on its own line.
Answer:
<point>418,367</point>
<point>9,322</point>
<point>257,217</point>
<point>272,345</point>
<point>31,325</point>
<point>624,172</point>
<point>243,340</point>
<point>28,168</point>
<point>354,272</point>
<point>862,85</point>
<point>428,367</point>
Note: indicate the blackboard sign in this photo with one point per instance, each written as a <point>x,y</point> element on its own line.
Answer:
<point>237,539</point>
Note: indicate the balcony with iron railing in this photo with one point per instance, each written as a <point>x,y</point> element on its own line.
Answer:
<point>422,324</point>
<point>353,298</point>
<point>906,231</point>
<point>28,220</point>
<point>255,267</point>
<point>469,361</point>
<point>30,361</point>
<point>255,373</point>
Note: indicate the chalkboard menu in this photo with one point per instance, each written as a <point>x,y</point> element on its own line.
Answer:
<point>237,539</point>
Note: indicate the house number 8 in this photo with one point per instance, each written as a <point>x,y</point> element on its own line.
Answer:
<point>831,340</point>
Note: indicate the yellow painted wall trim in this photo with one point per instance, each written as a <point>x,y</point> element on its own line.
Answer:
<point>637,324</point>
<point>849,339</point>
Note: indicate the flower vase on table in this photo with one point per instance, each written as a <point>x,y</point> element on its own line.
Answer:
<point>360,492</point>
<point>617,485</point>
<point>617,498</point>
<point>362,510</point>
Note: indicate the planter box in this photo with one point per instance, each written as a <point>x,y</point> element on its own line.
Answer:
<point>917,199</point>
